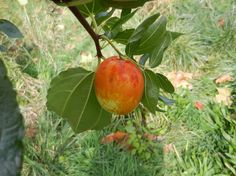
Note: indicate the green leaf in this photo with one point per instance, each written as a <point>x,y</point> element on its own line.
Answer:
<point>162,44</point>
<point>143,59</point>
<point>151,91</point>
<point>134,40</point>
<point>10,29</point>
<point>11,128</point>
<point>123,20</point>
<point>230,167</point>
<point>71,2</point>
<point>166,100</point>
<point>92,8</point>
<point>110,23</point>
<point>120,4</point>
<point>143,27</point>
<point>130,48</point>
<point>123,37</point>
<point>225,135</point>
<point>175,35</point>
<point>72,96</point>
<point>164,83</point>
<point>125,12</point>
<point>157,54</point>
<point>115,25</point>
<point>107,27</point>
<point>103,16</point>
<point>152,36</point>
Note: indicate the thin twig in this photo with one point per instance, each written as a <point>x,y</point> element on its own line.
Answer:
<point>87,27</point>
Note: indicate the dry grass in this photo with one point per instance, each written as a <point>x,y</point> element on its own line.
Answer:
<point>31,102</point>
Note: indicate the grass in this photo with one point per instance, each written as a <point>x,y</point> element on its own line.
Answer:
<point>201,142</point>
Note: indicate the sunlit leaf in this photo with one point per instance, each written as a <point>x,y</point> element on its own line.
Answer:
<point>152,36</point>
<point>134,40</point>
<point>157,54</point>
<point>161,45</point>
<point>72,96</point>
<point>142,27</point>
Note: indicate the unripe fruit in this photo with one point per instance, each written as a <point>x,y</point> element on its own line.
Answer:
<point>119,85</point>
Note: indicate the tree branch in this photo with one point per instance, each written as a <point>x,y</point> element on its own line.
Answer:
<point>88,28</point>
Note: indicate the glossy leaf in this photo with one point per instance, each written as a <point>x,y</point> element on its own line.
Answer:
<point>152,36</point>
<point>164,83</point>
<point>123,37</point>
<point>10,29</point>
<point>157,54</point>
<point>161,45</point>
<point>72,96</point>
<point>151,91</point>
<point>11,128</point>
<point>134,40</point>
<point>117,26</point>
<point>143,27</point>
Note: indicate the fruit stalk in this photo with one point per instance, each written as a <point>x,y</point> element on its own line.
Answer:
<point>112,45</point>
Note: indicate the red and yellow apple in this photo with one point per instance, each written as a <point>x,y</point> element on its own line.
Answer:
<point>119,85</point>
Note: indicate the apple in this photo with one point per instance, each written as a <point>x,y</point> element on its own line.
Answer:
<point>119,85</point>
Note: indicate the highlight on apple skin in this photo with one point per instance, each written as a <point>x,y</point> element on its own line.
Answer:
<point>119,85</point>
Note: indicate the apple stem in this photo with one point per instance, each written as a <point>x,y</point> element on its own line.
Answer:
<point>88,28</point>
<point>112,45</point>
